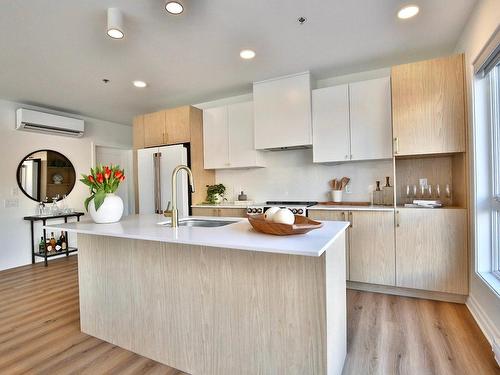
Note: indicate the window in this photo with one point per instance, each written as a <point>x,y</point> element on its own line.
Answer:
<point>494,97</point>
<point>487,162</point>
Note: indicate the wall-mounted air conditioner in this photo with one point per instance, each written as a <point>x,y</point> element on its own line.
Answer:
<point>40,122</point>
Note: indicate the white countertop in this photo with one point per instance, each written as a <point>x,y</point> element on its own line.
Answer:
<point>224,205</point>
<point>350,208</point>
<point>239,235</point>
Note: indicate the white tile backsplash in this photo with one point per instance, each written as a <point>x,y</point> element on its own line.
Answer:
<point>291,175</point>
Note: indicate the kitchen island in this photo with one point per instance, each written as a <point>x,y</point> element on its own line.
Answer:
<point>219,300</point>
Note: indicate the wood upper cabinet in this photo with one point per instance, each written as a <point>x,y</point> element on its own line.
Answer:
<point>352,122</point>
<point>177,129</point>
<point>283,112</point>
<point>168,127</point>
<point>370,119</point>
<point>154,129</point>
<point>228,136</point>
<point>431,249</point>
<point>330,115</point>
<point>428,106</point>
<point>372,256</point>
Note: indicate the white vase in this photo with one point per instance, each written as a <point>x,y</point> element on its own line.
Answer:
<point>110,211</point>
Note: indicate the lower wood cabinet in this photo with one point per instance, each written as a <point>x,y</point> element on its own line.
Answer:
<point>431,249</point>
<point>220,212</point>
<point>372,256</point>
<point>370,244</point>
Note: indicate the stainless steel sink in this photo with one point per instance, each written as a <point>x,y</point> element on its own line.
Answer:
<point>202,223</point>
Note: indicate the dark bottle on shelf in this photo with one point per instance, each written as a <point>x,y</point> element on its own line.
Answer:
<point>63,242</point>
<point>41,246</point>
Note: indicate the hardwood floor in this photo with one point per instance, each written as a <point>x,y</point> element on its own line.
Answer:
<point>40,332</point>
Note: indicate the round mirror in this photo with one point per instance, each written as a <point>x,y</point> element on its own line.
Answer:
<point>46,173</point>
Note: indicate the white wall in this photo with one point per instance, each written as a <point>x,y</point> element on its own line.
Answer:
<point>14,231</point>
<point>483,301</point>
<point>291,175</point>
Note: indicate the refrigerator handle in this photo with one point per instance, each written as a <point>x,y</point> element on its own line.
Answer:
<point>157,182</point>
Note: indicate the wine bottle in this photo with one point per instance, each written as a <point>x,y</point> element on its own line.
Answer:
<point>41,246</point>
<point>53,241</point>
<point>48,246</point>
<point>63,242</point>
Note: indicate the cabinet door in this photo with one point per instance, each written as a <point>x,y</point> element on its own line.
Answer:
<point>370,118</point>
<point>233,212</point>
<point>242,151</point>
<point>372,257</point>
<point>202,211</point>
<point>331,139</point>
<point>431,249</point>
<point>428,106</point>
<point>283,112</point>
<point>334,215</point>
<point>215,138</point>
<point>154,129</point>
<point>177,128</point>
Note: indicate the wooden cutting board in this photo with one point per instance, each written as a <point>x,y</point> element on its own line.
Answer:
<point>345,203</point>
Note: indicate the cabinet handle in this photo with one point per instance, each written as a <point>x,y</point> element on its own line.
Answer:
<point>352,219</point>
<point>397,219</point>
<point>350,157</point>
<point>343,216</point>
<point>396,145</point>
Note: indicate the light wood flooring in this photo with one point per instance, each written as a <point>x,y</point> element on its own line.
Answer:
<point>40,332</point>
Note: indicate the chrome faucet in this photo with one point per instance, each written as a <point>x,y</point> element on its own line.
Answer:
<point>174,213</point>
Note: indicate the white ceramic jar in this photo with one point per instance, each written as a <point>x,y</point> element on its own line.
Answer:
<point>110,211</point>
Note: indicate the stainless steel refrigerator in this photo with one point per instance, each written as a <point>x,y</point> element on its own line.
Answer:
<point>155,167</point>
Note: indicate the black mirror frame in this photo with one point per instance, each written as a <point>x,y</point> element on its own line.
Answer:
<point>42,150</point>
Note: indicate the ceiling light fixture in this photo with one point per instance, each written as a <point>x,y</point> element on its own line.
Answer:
<point>247,54</point>
<point>408,11</point>
<point>115,23</point>
<point>174,7</point>
<point>140,84</point>
<point>301,20</point>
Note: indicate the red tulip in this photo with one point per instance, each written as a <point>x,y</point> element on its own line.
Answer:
<point>118,174</point>
<point>100,178</point>
<point>122,177</point>
<point>91,178</point>
<point>107,173</point>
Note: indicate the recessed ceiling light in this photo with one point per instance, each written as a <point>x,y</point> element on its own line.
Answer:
<point>408,11</point>
<point>115,23</point>
<point>301,20</point>
<point>140,84</point>
<point>174,7</point>
<point>247,54</point>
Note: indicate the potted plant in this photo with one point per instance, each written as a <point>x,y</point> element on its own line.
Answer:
<point>215,193</point>
<point>102,204</point>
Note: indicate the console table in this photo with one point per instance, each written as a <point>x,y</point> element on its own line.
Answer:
<point>43,218</point>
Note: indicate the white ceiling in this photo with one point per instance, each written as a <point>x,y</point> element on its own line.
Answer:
<point>55,53</point>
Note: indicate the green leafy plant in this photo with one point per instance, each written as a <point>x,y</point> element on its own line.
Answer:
<point>213,191</point>
<point>102,180</point>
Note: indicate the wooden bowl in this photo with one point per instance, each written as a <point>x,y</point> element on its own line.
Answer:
<point>302,225</point>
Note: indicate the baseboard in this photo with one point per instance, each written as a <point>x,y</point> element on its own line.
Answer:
<point>486,325</point>
<point>407,292</point>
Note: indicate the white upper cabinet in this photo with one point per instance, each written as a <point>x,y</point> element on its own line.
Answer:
<point>352,122</point>
<point>215,138</point>
<point>228,137</point>
<point>283,112</point>
<point>370,113</point>
<point>331,139</point>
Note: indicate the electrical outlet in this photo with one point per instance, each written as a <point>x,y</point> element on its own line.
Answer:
<point>11,203</point>
<point>423,182</point>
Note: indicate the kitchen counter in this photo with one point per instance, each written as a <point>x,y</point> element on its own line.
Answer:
<point>350,208</point>
<point>215,301</point>
<point>239,235</point>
